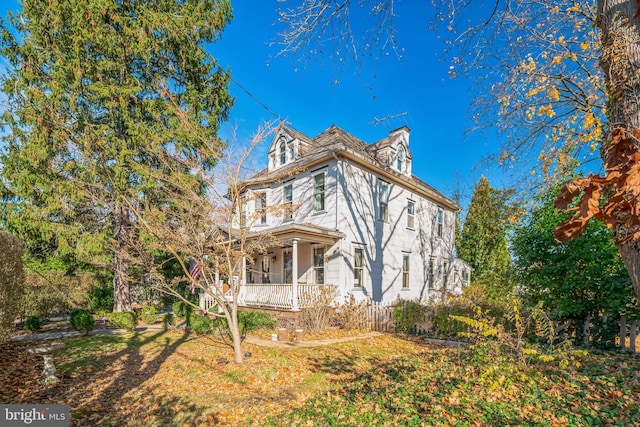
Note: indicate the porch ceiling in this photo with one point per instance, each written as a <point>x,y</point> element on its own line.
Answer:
<point>305,233</point>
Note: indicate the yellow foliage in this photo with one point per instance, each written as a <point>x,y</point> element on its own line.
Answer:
<point>546,110</point>
<point>556,59</point>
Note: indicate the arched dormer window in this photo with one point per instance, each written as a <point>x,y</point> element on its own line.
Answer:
<point>286,150</point>
<point>401,158</point>
<point>283,150</point>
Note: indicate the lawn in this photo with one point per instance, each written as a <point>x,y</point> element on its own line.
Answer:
<point>175,379</point>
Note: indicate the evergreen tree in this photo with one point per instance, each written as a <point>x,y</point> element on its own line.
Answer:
<point>109,104</point>
<point>483,242</point>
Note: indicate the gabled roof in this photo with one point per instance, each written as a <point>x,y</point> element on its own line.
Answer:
<point>335,141</point>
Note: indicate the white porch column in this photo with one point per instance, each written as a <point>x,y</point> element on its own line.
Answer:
<point>294,274</point>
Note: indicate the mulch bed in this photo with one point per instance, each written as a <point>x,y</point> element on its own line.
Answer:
<point>20,372</point>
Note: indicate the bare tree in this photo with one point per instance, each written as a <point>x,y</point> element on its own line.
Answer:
<point>202,228</point>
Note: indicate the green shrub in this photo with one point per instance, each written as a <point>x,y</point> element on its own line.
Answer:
<point>33,324</point>
<point>181,309</point>
<point>82,321</point>
<point>100,298</point>
<point>149,315</point>
<point>167,321</point>
<point>125,320</point>
<point>407,314</point>
<point>250,320</point>
<point>200,324</point>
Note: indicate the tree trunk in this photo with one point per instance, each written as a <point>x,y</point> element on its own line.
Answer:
<point>235,334</point>
<point>121,282</point>
<point>620,62</point>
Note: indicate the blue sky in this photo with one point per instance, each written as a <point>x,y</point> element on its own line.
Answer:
<point>434,106</point>
<point>418,84</point>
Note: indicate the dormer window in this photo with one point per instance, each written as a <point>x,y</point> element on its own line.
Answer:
<point>287,150</point>
<point>401,158</point>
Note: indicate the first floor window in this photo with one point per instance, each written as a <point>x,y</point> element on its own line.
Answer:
<point>358,267</point>
<point>445,264</point>
<point>266,266</point>
<point>431,271</point>
<point>287,267</point>
<point>405,271</point>
<point>318,265</point>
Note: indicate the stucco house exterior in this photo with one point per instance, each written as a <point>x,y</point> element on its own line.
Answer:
<point>351,215</point>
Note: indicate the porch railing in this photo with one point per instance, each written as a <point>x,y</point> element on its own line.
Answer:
<point>271,295</point>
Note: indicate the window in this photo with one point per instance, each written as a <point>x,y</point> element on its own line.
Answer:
<point>283,151</point>
<point>440,224</point>
<point>383,200</point>
<point>261,207</point>
<point>410,213</point>
<point>445,264</point>
<point>431,271</point>
<point>250,267</point>
<point>400,159</point>
<point>358,267</point>
<point>288,202</point>
<point>287,267</point>
<point>318,265</point>
<point>405,271</point>
<point>243,217</point>
<point>266,266</point>
<point>318,192</point>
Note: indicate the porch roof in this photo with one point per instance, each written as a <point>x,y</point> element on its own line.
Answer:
<point>305,233</point>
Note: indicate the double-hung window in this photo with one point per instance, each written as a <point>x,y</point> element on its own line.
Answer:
<point>405,271</point>
<point>288,202</point>
<point>358,267</point>
<point>440,224</point>
<point>283,151</point>
<point>383,200</point>
<point>261,207</point>
<point>318,265</point>
<point>445,265</point>
<point>411,206</point>
<point>318,192</point>
<point>287,267</point>
<point>431,271</point>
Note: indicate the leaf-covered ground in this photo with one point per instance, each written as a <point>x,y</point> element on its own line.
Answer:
<point>176,379</point>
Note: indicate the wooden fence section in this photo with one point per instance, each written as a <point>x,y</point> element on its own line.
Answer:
<point>379,317</point>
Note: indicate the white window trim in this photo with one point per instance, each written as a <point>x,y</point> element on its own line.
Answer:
<point>323,192</point>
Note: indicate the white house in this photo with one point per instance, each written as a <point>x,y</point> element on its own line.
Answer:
<point>357,219</point>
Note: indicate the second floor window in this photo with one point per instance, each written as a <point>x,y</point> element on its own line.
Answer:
<point>318,265</point>
<point>318,192</point>
<point>411,205</point>
<point>358,267</point>
<point>288,202</point>
<point>400,159</point>
<point>440,225</point>
<point>383,200</point>
<point>261,207</point>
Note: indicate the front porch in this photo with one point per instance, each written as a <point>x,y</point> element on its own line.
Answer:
<point>289,276</point>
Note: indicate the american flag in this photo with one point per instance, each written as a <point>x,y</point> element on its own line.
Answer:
<point>195,272</point>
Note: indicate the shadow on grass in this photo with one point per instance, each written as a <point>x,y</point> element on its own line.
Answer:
<point>109,367</point>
